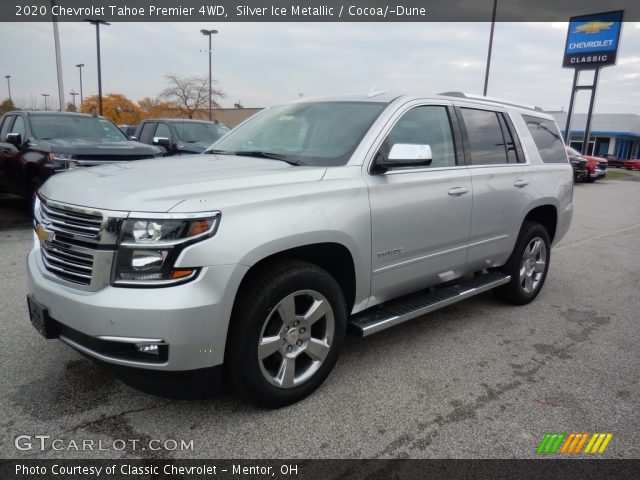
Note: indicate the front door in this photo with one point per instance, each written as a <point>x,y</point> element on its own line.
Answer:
<point>420,216</point>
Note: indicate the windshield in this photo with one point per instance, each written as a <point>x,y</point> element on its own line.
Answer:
<point>193,132</point>
<point>319,133</point>
<point>47,127</point>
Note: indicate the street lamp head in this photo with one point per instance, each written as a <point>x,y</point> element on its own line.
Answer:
<point>7,76</point>
<point>208,32</point>
<point>80,65</point>
<point>96,21</point>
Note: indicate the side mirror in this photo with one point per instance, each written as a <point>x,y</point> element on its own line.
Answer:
<point>163,142</point>
<point>407,155</point>
<point>14,139</point>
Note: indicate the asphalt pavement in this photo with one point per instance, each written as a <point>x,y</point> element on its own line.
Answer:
<point>479,379</point>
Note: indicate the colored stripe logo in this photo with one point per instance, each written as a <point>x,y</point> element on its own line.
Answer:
<point>573,443</point>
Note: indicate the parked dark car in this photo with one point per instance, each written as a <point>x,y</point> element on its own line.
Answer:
<point>179,136</point>
<point>35,145</point>
<point>579,164</point>
<point>129,130</point>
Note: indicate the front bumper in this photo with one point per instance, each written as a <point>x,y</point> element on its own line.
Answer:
<point>192,319</point>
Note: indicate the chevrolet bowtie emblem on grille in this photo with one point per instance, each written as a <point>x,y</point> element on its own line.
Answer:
<point>593,27</point>
<point>42,233</point>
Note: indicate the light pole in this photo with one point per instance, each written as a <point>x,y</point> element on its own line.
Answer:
<point>8,77</point>
<point>74,95</point>
<point>493,25</point>
<point>80,65</point>
<point>209,33</point>
<point>97,23</point>
<point>46,106</point>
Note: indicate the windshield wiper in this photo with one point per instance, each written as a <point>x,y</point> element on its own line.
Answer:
<point>272,156</point>
<point>219,152</point>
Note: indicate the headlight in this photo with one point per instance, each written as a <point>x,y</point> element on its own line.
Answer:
<point>59,157</point>
<point>149,247</point>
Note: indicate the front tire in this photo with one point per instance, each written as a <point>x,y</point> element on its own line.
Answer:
<point>286,332</point>
<point>528,265</point>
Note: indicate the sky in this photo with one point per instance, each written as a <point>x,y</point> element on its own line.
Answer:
<point>262,64</point>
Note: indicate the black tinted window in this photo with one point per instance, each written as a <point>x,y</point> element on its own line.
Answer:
<point>547,138</point>
<point>485,137</point>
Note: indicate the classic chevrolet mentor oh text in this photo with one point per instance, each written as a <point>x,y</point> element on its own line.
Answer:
<point>308,220</point>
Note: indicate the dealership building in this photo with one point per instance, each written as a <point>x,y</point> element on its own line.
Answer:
<point>611,133</point>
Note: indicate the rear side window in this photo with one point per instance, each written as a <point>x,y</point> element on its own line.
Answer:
<point>547,138</point>
<point>486,142</point>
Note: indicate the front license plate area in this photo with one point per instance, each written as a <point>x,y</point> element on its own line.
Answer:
<point>40,319</point>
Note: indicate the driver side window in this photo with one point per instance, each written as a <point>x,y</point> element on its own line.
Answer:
<point>162,130</point>
<point>425,125</point>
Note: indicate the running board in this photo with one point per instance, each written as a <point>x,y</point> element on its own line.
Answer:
<point>417,304</point>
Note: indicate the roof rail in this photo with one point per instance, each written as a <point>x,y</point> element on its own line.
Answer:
<point>492,100</point>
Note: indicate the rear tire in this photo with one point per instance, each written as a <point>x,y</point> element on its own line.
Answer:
<point>528,265</point>
<point>286,332</point>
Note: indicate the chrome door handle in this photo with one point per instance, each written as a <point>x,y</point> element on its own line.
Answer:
<point>458,191</point>
<point>520,183</point>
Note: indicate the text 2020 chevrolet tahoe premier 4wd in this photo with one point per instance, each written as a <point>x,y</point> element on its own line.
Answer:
<point>309,219</point>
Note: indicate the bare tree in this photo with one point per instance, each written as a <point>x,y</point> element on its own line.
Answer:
<point>190,94</point>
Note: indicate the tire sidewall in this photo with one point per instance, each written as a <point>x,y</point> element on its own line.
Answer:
<point>529,232</point>
<point>307,279</point>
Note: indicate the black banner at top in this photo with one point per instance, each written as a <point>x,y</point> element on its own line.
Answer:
<point>307,10</point>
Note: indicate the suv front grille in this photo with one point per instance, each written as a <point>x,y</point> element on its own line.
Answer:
<point>77,244</point>
<point>60,259</point>
<point>72,222</point>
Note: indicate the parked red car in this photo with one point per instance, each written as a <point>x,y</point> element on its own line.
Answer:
<point>632,164</point>
<point>596,166</point>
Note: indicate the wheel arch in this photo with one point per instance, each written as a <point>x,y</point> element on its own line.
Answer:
<point>333,257</point>
<point>546,215</point>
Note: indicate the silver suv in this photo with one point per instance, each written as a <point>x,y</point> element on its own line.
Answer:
<point>308,220</point>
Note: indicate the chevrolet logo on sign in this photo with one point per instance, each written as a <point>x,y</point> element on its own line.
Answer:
<point>592,40</point>
<point>593,27</point>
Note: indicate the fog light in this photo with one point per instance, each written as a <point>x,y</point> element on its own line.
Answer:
<point>150,348</point>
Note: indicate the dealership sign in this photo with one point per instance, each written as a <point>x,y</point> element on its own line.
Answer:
<point>592,40</point>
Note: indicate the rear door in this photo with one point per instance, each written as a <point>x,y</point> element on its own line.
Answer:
<point>420,216</point>
<point>500,179</point>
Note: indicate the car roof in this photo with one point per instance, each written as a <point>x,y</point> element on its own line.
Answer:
<point>388,98</point>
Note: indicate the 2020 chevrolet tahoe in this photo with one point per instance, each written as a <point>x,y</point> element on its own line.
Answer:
<point>309,219</point>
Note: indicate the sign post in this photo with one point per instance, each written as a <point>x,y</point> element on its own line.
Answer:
<point>592,43</point>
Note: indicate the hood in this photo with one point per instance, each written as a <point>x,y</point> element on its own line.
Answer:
<point>158,185</point>
<point>79,146</point>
